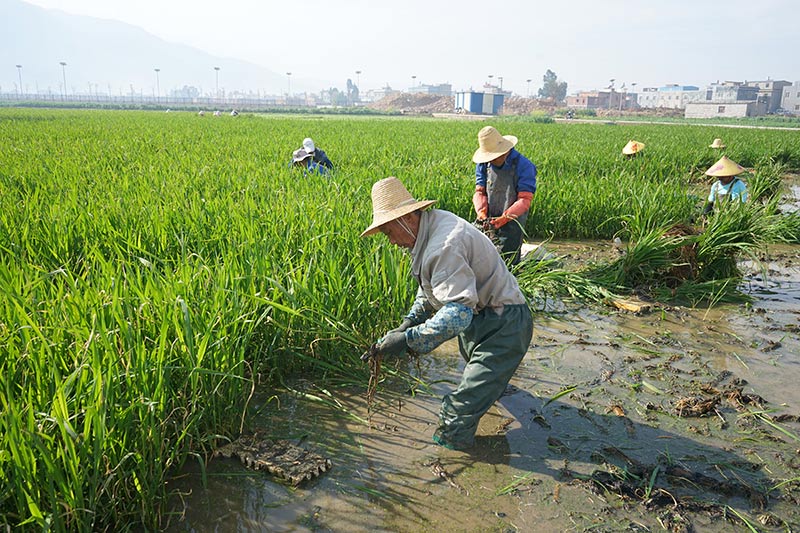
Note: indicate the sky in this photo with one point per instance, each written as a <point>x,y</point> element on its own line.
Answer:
<point>468,43</point>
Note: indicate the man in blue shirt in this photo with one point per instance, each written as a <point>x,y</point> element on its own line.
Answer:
<point>505,181</point>
<point>728,186</point>
<point>319,155</point>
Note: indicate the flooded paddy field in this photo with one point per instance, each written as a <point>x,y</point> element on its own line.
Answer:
<point>675,420</point>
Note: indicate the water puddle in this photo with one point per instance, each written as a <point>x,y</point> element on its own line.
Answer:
<point>617,451</point>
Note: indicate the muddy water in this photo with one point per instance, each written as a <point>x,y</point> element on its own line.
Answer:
<point>535,455</point>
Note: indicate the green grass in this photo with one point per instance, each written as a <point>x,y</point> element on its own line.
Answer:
<point>155,266</point>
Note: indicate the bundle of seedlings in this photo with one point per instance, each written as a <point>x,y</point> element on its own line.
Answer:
<point>673,263</point>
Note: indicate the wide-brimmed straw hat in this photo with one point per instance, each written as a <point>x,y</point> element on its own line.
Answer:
<point>390,201</point>
<point>492,145</point>
<point>716,144</point>
<point>633,147</point>
<point>725,167</point>
<point>300,155</point>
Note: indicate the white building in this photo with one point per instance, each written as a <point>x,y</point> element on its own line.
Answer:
<point>791,98</point>
<point>732,109</point>
<point>671,96</point>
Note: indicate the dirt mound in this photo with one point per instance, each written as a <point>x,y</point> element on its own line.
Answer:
<point>425,104</point>
<point>415,103</point>
<point>520,105</point>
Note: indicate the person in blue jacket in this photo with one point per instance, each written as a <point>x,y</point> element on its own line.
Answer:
<point>319,155</point>
<point>505,181</point>
<point>301,158</point>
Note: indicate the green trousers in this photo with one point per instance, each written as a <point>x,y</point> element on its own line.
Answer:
<point>493,347</point>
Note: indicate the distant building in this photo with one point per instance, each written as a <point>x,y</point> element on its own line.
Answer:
<point>770,92</point>
<point>648,97</point>
<point>443,89</point>
<point>791,98</point>
<point>675,96</point>
<point>731,91</point>
<point>731,109</point>
<point>728,99</point>
<point>602,100</point>
<point>373,95</point>
<point>480,103</point>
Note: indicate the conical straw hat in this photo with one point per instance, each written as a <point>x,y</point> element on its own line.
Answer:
<point>492,145</point>
<point>633,147</point>
<point>725,167</point>
<point>390,201</point>
<point>716,144</point>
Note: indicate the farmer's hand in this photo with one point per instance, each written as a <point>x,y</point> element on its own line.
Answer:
<point>499,222</point>
<point>393,343</point>
<point>404,325</point>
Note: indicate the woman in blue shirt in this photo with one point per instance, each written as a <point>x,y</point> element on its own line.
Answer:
<point>727,186</point>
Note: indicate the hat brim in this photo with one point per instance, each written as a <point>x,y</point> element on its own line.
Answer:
<point>484,156</point>
<point>716,146</point>
<point>384,218</point>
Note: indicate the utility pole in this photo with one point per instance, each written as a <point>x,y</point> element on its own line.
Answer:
<point>19,72</point>
<point>216,69</point>
<point>529,80</point>
<point>64,76</point>
<point>288,86</point>
<point>158,85</point>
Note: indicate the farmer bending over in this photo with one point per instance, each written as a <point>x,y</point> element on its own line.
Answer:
<point>465,290</point>
<point>727,186</point>
<point>505,181</point>
<point>320,157</point>
<point>301,158</point>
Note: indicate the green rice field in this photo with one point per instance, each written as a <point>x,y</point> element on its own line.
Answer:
<point>156,267</point>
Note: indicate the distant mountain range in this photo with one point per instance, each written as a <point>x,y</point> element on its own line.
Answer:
<point>110,56</point>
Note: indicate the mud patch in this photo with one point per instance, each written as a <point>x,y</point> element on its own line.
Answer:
<point>595,436</point>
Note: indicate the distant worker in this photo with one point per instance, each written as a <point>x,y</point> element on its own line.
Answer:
<point>301,158</point>
<point>632,149</point>
<point>716,144</point>
<point>320,157</point>
<point>234,113</point>
<point>727,187</point>
<point>505,181</point>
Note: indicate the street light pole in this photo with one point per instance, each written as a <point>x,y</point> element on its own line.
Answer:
<point>529,80</point>
<point>413,81</point>
<point>158,85</point>
<point>64,76</point>
<point>501,82</point>
<point>288,86</point>
<point>216,69</point>
<point>19,72</point>
<point>358,79</point>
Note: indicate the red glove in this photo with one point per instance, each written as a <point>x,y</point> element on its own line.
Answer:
<point>518,208</point>
<point>499,222</point>
<point>481,202</point>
